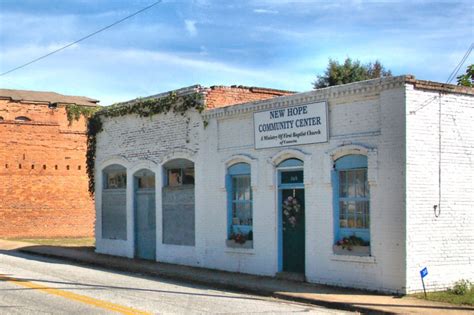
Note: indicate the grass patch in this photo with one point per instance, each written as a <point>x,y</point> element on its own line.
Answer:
<point>449,297</point>
<point>67,241</point>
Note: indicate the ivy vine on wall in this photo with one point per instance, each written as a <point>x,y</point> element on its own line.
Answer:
<point>74,112</point>
<point>178,104</point>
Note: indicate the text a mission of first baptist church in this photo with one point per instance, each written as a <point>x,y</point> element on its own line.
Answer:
<point>291,126</point>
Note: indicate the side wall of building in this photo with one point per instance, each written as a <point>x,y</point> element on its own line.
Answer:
<point>43,182</point>
<point>440,173</point>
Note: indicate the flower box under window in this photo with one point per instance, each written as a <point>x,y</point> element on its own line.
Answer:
<point>353,250</point>
<point>234,244</point>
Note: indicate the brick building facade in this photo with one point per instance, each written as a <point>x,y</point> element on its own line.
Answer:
<point>43,181</point>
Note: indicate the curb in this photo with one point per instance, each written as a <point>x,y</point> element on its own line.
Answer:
<point>200,281</point>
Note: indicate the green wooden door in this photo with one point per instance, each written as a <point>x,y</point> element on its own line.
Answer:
<point>293,225</point>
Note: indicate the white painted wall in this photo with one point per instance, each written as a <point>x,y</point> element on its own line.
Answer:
<point>443,244</point>
<point>367,118</point>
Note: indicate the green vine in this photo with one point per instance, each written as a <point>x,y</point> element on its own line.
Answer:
<point>141,107</point>
<point>74,112</point>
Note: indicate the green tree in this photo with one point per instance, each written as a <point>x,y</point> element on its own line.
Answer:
<point>467,79</point>
<point>349,71</point>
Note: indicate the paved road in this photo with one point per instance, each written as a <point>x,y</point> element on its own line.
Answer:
<point>36,285</point>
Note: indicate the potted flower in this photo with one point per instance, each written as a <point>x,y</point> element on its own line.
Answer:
<point>238,239</point>
<point>352,245</point>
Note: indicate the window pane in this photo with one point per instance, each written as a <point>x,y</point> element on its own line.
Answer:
<point>367,217</point>
<point>351,184</point>
<point>174,177</point>
<point>188,176</point>
<point>351,214</point>
<point>242,213</point>
<point>359,182</point>
<point>241,187</point>
<point>343,214</point>
<point>116,180</point>
<point>342,184</point>
<point>365,205</point>
<point>359,215</point>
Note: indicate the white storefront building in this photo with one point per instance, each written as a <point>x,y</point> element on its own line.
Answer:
<point>359,185</point>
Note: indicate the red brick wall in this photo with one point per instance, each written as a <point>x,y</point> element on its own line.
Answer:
<point>220,96</point>
<point>43,181</point>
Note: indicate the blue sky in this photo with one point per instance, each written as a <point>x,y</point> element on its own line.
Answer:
<point>279,44</point>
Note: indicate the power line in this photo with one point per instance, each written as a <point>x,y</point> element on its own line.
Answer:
<point>450,78</point>
<point>455,71</point>
<point>81,39</point>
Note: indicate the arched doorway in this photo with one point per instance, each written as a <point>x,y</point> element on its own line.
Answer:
<point>291,206</point>
<point>178,203</point>
<point>144,211</point>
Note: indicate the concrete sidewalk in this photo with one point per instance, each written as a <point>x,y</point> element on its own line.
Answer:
<point>332,297</point>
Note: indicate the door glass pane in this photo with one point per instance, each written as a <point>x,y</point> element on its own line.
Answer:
<point>146,181</point>
<point>292,177</point>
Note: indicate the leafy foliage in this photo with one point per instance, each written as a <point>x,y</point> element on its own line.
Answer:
<point>141,107</point>
<point>467,79</point>
<point>462,293</point>
<point>351,241</point>
<point>348,72</point>
<point>74,112</point>
<point>462,287</point>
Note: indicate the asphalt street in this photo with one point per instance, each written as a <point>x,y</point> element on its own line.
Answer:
<point>32,284</point>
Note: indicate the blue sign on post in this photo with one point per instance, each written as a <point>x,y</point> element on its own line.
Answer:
<point>424,272</point>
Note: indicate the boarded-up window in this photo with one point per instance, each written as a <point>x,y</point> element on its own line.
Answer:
<point>178,203</point>
<point>114,201</point>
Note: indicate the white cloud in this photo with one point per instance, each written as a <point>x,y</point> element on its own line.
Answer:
<point>191,27</point>
<point>265,11</point>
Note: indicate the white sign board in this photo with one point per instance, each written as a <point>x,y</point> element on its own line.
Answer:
<point>294,125</point>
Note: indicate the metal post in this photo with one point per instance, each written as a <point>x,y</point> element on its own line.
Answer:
<point>424,289</point>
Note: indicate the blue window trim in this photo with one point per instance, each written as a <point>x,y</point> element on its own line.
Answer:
<point>347,162</point>
<point>236,170</point>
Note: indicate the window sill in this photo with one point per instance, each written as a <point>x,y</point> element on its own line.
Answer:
<point>233,244</point>
<point>243,249</point>
<point>356,254</point>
